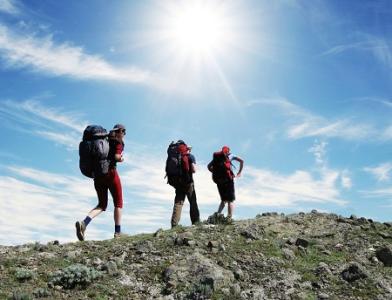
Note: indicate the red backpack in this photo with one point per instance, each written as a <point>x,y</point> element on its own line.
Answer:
<point>221,168</point>
<point>177,164</point>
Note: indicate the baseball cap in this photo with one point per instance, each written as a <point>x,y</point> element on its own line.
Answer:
<point>118,127</point>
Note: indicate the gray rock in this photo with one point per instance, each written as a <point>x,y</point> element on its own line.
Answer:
<point>235,289</point>
<point>353,272</point>
<point>253,232</point>
<point>197,269</point>
<point>302,242</point>
<point>385,235</point>
<point>384,254</point>
<point>238,274</point>
<point>322,269</point>
<point>213,244</point>
<point>322,296</point>
<point>288,254</point>
<point>158,233</point>
<point>254,294</point>
<point>110,267</point>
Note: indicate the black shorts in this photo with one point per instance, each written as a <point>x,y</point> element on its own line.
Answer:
<point>226,191</point>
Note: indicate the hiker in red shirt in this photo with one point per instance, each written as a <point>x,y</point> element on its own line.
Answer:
<point>223,176</point>
<point>108,182</point>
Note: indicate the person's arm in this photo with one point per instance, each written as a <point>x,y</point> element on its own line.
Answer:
<point>240,160</point>
<point>210,167</point>
<point>193,168</point>
<point>118,154</point>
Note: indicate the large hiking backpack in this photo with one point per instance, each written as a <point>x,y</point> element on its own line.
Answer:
<point>221,172</point>
<point>177,164</point>
<point>94,151</point>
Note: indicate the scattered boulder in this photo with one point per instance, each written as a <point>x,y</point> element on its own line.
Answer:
<point>253,232</point>
<point>197,269</point>
<point>302,242</point>
<point>384,254</point>
<point>288,254</point>
<point>353,272</point>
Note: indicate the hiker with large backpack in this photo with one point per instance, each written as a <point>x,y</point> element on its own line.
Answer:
<point>223,175</point>
<point>99,154</point>
<point>180,166</point>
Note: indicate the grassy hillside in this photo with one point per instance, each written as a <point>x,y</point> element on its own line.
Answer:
<point>300,256</point>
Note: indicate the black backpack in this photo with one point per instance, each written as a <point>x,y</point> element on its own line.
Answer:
<point>175,173</point>
<point>220,172</point>
<point>94,151</point>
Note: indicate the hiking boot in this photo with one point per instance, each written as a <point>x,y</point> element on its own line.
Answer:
<point>229,220</point>
<point>80,229</point>
<point>118,235</point>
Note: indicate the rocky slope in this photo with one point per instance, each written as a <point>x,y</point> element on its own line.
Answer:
<point>299,256</point>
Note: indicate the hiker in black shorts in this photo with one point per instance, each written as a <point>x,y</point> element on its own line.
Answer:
<point>223,176</point>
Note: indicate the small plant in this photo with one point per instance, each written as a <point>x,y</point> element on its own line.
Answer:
<point>41,293</point>
<point>74,275</point>
<point>20,296</point>
<point>23,274</point>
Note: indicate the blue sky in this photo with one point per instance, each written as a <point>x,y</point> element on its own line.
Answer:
<point>301,90</point>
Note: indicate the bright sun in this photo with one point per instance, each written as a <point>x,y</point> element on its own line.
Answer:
<point>197,27</point>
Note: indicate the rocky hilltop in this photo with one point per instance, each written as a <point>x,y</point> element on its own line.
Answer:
<point>274,256</point>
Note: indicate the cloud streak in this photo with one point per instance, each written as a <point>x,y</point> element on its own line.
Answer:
<point>304,124</point>
<point>44,55</point>
<point>31,116</point>
<point>9,7</point>
<point>381,172</point>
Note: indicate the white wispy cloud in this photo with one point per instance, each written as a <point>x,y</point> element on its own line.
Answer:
<point>319,150</point>
<point>50,123</point>
<point>43,54</point>
<point>346,181</point>
<point>303,123</point>
<point>379,47</point>
<point>9,7</point>
<point>381,172</point>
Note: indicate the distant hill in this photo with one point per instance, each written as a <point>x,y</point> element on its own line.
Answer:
<point>274,256</point>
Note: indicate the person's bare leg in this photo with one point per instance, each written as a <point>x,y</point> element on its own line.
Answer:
<point>117,215</point>
<point>95,212</point>
<point>230,209</point>
<point>221,207</point>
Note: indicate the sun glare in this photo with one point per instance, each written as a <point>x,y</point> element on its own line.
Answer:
<point>196,27</point>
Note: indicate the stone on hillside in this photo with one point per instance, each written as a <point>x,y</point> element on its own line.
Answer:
<point>339,247</point>
<point>184,238</point>
<point>110,267</point>
<point>388,224</point>
<point>290,241</point>
<point>385,235</point>
<point>322,269</point>
<point>384,254</point>
<point>198,270</point>
<point>254,294</point>
<point>158,233</point>
<point>353,272</point>
<point>322,296</point>
<point>213,244</point>
<point>217,219</point>
<point>288,254</point>
<point>302,242</point>
<point>253,232</point>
